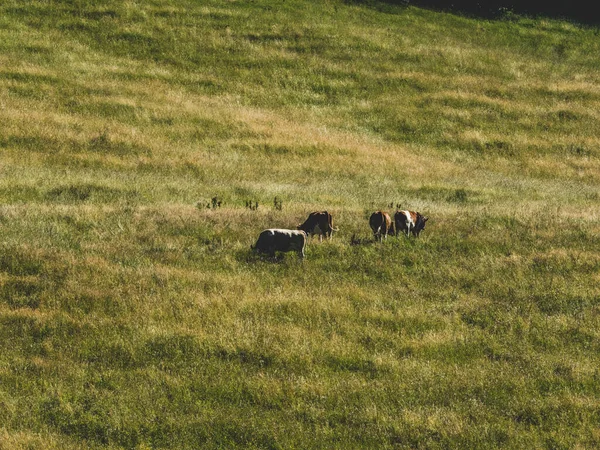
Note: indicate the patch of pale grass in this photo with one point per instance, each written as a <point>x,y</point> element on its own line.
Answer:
<point>568,168</point>
<point>283,131</point>
<point>22,440</point>
<point>369,152</point>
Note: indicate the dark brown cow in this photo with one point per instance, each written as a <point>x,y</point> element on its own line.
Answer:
<point>318,222</point>
<point>381,224</point>
<point>409,222</point>
<point>280,240</point>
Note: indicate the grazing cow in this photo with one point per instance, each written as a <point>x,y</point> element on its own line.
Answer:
<point>381,224</point>
<point>410,222</point>
<point>318,222</point>
<point>279,240</point>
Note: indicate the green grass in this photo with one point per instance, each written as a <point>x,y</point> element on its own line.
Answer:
<point>134,316</point>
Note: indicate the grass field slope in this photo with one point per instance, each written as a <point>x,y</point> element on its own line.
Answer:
<point>134,136</point>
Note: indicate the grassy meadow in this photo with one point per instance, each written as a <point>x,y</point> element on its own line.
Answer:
<point>133,314</point>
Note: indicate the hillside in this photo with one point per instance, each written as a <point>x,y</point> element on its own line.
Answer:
<point>133,313</point>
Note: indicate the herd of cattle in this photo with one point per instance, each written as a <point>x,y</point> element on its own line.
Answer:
<point>320,222</point>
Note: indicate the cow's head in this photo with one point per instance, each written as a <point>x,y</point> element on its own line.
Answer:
<point>420,225</point>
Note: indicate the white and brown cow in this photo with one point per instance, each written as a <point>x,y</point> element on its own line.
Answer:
<point>409,222</point>
<point>381,224</point>
<point>318,222</point>
<point>280,240</point>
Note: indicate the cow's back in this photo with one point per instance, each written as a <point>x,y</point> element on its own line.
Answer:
<point>282,240</point>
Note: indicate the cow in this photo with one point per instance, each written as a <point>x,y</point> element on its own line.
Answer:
<point>381,224</point>
<point>409,222</point>
<point>279,240</point>
<point>318,222</point>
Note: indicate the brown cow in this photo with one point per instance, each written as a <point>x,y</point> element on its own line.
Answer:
<point>318,222</point>
<point>409,222</point>
<point>381,224</point>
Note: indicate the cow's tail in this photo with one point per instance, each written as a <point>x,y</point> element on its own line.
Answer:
<point>304,237</point>
<point>378,232</point>
<point>330,223</point>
